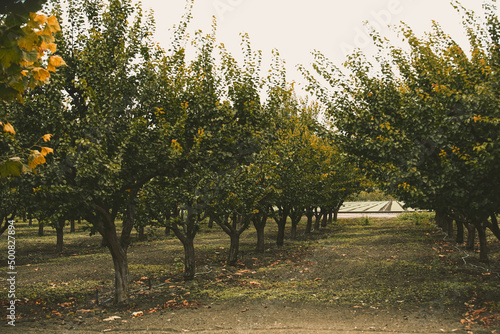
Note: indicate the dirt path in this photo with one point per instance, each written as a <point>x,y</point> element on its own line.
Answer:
<point>266,318</point>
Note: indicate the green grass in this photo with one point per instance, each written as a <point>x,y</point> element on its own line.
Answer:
<point>364,262</point>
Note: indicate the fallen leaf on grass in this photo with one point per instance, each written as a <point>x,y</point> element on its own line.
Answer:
<point>477,312</point>
<point>114,317</point>
<point>138,314</point>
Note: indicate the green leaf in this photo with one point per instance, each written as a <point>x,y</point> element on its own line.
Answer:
<point>11,167</point>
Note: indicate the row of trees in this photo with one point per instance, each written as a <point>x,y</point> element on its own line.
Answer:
<point>144,135</point>
<point>423,120</point>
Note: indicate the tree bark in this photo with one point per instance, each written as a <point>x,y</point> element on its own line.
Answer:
<point>106,226</point>
<point>72,227</point>
<point>259,222</point>
<point>234,249</point>
<point>493,226</point>
<point>187,239</point>
<point>318,214</point>
<point>140,229</point>
<point>296,216</point>
<point>471,235</point>
<point>324,221</point>
<point>281,222</point>
<point>40,229</point>
<point>309,215</point>
<point>60,234</point>
<point>189,264</point>
<point>483,243</point>
<point>460,232</point>
<point>120,263</point>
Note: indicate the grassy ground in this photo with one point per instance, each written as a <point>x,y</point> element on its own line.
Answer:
<point>400,265</point>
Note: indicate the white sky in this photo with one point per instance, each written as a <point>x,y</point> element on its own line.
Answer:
<point>297,27</point>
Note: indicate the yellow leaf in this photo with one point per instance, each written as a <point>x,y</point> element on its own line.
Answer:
<point>52,47</point>
<point>53,24</point>
<point>9,128</point>
<point>39,18</point>
<point>40,74</point>
<point>46,150</point>
<point>35,159</point>
<point>56,61</point>
<point>47,137</point>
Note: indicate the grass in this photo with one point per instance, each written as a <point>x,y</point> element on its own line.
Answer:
<point>368,262</point>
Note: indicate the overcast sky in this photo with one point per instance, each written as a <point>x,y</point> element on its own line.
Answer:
<point>297,27</point>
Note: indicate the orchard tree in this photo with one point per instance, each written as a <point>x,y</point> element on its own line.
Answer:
<point>424,122</point>
<point>100,117</point>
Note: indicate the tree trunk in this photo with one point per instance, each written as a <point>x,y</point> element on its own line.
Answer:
<point>40,229</point>
<point>186,237</point>
<point>471,235</point>
<point>189,264</point>
<point>280,238</point>
<point>259,222</point>
<point>120,264</point>
<point>483,243</point>
<point>140,229</point>
<point>60,235</point>
<point>283,214</point>
<point>72,227</point>
<point>449,226</point>
<point>335,215</point>
<point>460,232</point>
<point>30,220</point>
<point>317,222</point>
<point>309,215</point>
<point>293,230</point>
<point>324,221</point>
<point>234,249</point>
<point>493,226</point>
<point>104,221</point>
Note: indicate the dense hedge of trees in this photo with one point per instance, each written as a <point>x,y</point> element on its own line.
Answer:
<point>423,121</point>
<point>146,136</point>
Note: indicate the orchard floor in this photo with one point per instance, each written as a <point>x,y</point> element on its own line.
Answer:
<point>360,275</point>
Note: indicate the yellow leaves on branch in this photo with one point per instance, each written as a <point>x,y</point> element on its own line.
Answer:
<point>38,157</point>
<point>47,137</point>
<point>36,40</point>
